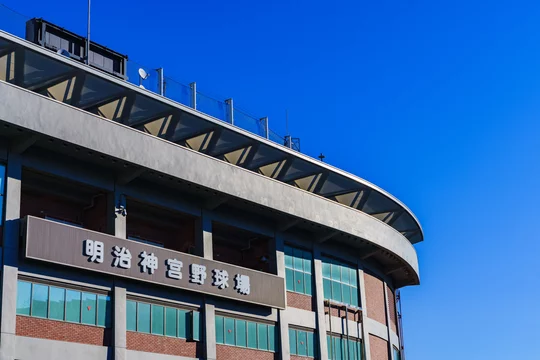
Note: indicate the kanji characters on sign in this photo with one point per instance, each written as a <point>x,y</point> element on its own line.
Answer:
<point>220,278</point>
<point>174,269</point>
<point>148,262</point>
<point>122,257</point>
<point>197,274</point>
<point>242,284</point>
<point>93,249</point>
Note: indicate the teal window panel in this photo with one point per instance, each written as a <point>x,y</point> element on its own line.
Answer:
<point>336,272</point>
<point>327,289</point>
<point>195,326</point>
<point>104,310</point>
<point>262,332</point>
<point>338,349</point>
<point>289,276</point>
<point>302,343</point>
<point>307,261</point>
<point>40,300</point>
<point>292,342</point>
<point>311,344</point>
<point>345,275</point>
<point>131,315</point>
<point>329,346</point>
<point>158,316</point>
<point>57,303</point>
<point>241,333</point>
<point>171,322</point>
<point>73,306</point>
<point>219,330</point>
<point>298,259</point>
<point>354,296</point>
<point>271,338</point>
<point>361,351</point>
<point>352,351</point>
<point>229,331</point>
<point>326,270</point>
<point>336,291</point>
<point>89,307</point>
<point>183,324</point>
<point>354,278</point>
<point>299,282</point>
<point>252,335</point>
<point>24,295</point>
<point>288,257</point>
<point>143,318</point>
<point>346,294</point>
<point>307,284</point>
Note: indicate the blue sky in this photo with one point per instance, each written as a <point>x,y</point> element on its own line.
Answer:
<point>437,102</point>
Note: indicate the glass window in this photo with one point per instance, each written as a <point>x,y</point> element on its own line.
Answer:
<point>302,343</point>
<point>143,318</point>
<point>229,331</point>
<point>104,309</point>
<point>24,294</point>
<point>271,338</point>
<point>262,331</point>
<point>292,342</point>
<point>40,299</point>
<point>241,333</point>
<point>196,326</point>
<point>131,315</point>
<point>343,349</point>
<point>171,322</point>
<point>73,306</point>
<point>219,330</point>
<point>57,303</point>
<point>340,282</point>
<point>311,344</point>
<point>89,305</point>
<point>298,270</point>
<point>157,319</point>
<point>183,324</point>
<point>252,335</point>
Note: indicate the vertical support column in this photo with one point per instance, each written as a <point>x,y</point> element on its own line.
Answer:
<point>10,257</point>
<point>120,340</point>
<point>117,214</point>
<point>363,301</point>
<point>387,310</point>
<point>282,318</point>
<point>264,120</point>
<point>161,82</point>
<point>230,111</point>
<point>193,87</point>
<point>319,293</point>
<point>204,248</point>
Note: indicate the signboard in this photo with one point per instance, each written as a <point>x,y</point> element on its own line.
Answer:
<point>71,246</point>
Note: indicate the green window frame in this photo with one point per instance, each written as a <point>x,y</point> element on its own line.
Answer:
<point>302,342</point>
<point>161,320</point>
<point>298,270</point>
<point>340,282</point>
<point>62,304</point>
<point>341,349</point>
<point>246,334</point>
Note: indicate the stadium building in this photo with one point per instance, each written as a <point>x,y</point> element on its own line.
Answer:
<point>136,226</point>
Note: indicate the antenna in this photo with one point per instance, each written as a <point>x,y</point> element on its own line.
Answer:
<point>143,75</point>
<point>88,37</point>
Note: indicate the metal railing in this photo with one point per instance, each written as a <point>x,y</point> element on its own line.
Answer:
<point>14,23</point>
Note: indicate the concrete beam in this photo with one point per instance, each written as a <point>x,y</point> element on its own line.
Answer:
<point>22,143</point>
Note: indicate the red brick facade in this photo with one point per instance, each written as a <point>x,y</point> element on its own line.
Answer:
<point>392,309</point>
<point>375,304</point>
<point>163,345</point>
<point>225,352</point>
<point>62,331</point>
<point>340,312</point>
<point>378,347</point>
<point>300,301</point>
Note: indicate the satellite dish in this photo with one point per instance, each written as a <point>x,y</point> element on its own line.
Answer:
<point>64,52</point>
<point>143,74</point>
<point>142,86</point>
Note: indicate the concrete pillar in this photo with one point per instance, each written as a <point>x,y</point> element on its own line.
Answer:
<point>283,321</point>
<point>10,257</point>
<point>319,294</point>
<point>120,341</point>
<point>387,310</point>
<point>117,214</point>
<point>365,333</point>
<point>204,248</point>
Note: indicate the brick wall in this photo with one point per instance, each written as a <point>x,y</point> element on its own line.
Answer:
<point>378,348</point>
<point>392,309</point>
<point>62,331</point>
<point>300,301</point>
<point>375,304</point>
<point>340,312</point>
<point>225,352</point>
<point>163,345</point>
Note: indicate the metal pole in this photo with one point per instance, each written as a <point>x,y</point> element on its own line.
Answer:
<point>193,87</point>
<point>88,36</point>
<point>161,82</point>
<point>230,113</point>
<point>266,130</point>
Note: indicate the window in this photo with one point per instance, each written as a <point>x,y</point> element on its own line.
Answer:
<point>56,303</point>
<point>162,320</point>
<point>302,343</point>
<point>242,333</point>
<point>341,349</point>
<point>397,353</point>
<point>340,282</point>
<point>298,270</point>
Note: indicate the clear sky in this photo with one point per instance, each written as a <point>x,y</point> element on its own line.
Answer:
<point>437,102</point>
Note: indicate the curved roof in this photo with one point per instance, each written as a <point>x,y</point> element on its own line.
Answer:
<point>86,88</point>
